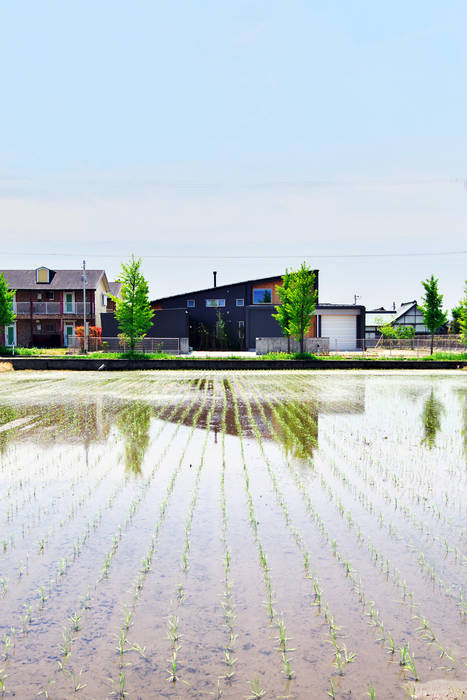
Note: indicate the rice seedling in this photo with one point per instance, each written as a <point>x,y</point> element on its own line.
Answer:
<point>255,689</point>
<point>371,691</point>
<point>3,677</point>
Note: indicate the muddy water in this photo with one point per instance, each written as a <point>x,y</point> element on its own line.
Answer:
<point>233,508</point>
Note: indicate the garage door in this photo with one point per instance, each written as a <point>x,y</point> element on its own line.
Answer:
<point>341,331</point>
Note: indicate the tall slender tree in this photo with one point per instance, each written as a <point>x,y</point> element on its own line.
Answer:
<point>301,302</point>
<point>7,315</point>
<point>282,310</point>
<point>133,310</point>
<point>463,316</point>
<point>432,309</point>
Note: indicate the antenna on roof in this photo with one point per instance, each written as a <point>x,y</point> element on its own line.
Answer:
<point>355,297</point>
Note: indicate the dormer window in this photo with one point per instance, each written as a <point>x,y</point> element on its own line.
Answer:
<point>42,275</point>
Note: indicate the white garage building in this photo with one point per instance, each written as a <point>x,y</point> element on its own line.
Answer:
<point>344,325</point>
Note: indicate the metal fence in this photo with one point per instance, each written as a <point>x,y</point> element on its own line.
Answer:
<point>398,347</point>
<point>146,345</point>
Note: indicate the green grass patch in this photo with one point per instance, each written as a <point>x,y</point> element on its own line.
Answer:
<point>446,356</point>
<point>127,355</point>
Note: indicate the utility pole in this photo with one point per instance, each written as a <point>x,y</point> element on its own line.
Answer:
<point>355,297</point>
<point>85,338</point>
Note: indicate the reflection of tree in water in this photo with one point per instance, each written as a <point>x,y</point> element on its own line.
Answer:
<point>431,418</point>
<point>7,415</point>
<point>463,397</point>
<point>297,429</point>
<point>134,421</point>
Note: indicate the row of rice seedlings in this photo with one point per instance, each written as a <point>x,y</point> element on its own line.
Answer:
<point>399,474</point>
<point>83,498</point>
<point>350,573</point>
<point>228,605</point>
<point>20,480</point>
<point>449,589</point>
<point>146,564</point>
<point>77,504</point>
<point>173,632</point>
<point>406,511</point>
<point>342,656</point>
<point>124,645</point>
<point>45,591</point>
<point>392,574</point>
<point>274,618</point>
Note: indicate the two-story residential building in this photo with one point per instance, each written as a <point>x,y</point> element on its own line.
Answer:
<point>49,304</point>
<point>246,312</point>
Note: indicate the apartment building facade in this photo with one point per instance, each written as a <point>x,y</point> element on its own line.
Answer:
<point>49,304</point>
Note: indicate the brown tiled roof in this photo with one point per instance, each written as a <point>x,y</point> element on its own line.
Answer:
<point>59,279</point>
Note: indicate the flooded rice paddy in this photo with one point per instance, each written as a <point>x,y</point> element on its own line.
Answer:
<point>234,535</point>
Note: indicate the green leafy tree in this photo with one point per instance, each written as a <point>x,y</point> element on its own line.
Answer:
<point>454,326</point>
<point>387,330</point>
<point>301,302</point>
<point>463,316</point>
<point>7,315</point>
<point>133,310</point>
<point>432,309</point>
<point>222,335</point>
<point>282,310</point>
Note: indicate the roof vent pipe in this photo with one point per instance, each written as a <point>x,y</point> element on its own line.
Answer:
<point>215,278</point>
<point>393,305</point>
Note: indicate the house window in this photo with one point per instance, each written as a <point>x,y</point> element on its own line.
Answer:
<point>49,296</point>
<point>215,302</point>
<point>39,296</point>
<point>104,300</point>
<point>241,330</point>
<point>262,296</point>
<point>42,275</point>
<point>240,302</point>
<point>190,303</point>
<point>49,327</point>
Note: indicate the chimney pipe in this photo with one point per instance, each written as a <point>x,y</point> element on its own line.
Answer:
<point>215,279</point>
<point>393,305</point>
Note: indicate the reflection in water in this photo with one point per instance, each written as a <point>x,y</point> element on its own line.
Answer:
<point>7,415</point>
<point>297,429</point>
<point>463,397</point>
<point>134,422</point>
<point>431,418</point>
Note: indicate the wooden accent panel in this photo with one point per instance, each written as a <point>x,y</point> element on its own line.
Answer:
<point>271,284</point>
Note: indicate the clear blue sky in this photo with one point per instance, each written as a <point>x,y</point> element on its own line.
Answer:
<point>224,128</point>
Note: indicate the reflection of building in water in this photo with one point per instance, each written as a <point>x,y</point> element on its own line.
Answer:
<point>291,417</point>
<point>79,423</point>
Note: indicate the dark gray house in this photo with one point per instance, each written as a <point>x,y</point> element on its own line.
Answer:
<point>232,316</point>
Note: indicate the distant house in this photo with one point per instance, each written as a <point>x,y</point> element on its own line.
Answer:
<point>245,310</point>
<point>49,304</point>
<point>115,290</point>
<point>408,314</point>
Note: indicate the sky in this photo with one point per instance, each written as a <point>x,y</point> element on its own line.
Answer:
<point>242,137</point>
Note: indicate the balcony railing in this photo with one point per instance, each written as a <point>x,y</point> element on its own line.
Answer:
<point>52,308</point>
